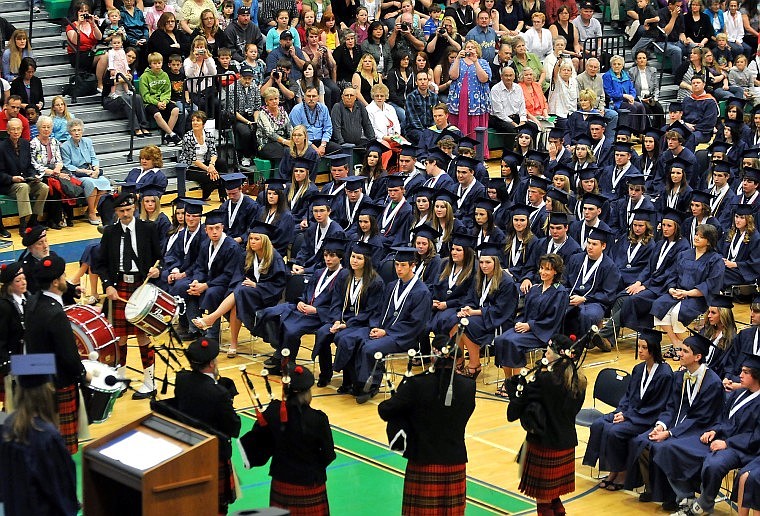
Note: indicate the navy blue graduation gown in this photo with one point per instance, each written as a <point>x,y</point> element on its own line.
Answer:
<point>608,441</point>
<point>681,418</point>
<point>705,274</point>
<point>689,226</point>
<point>656,280</point>
<point>544,312</point>
<point>663,167</point>
<point>340,212</point>
<point>309,257</point>
<point>575,230</point>
<point>496,235</point>
<point>615,191</point>
<point>538,221</point>
<point>723,209</point>
<point>285,170</point>
<point>746,341</point>
<point>546,246</point>
<point>747,268</point>
<point>267,292</point>
<point>403,325</point>
<point>600,291</point>
<point>442,182</point>
<point>464,209</point>
<point>356,317</point>
<point>684,457</point>
<point>284,234</point>
<point>752,486</point>
<point>620,217</point>
<point>300,209</point>
<point>683,200</point>
<point>454,298</point>
<point>396,230</point>
<point>155,178</point>
<point>630,270</point>
<point>163,226</point>
<point>604,155</point>
<point>186,262</point>
<point>224,274</point>
<point>498,314</point>
<point>445,247</point>
<point>377,189</point>
<point>248,212</point>
<point>526,264</point>
<point>429,271</point>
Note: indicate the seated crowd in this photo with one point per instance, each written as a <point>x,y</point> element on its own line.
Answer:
<point>577,230</point>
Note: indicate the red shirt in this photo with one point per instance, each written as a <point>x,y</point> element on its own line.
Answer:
<point>25,133</point>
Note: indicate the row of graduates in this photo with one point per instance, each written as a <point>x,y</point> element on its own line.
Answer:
<point>680,433</point>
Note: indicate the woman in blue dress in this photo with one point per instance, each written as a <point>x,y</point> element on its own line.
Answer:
<point>521,247</point>
<point>647,393</point>
<point>485,229</point>
<point>490,307</point>
<point>545,306</point>
<point>631,254</point>
<point>453,286</point>
<point>428,262</point>
<point>368,230</point>
<point>265,279</point>
<point>445,222</point>
<point>276,212</point>
<point>150,209</point>
<point>301,188</point>
<point>355,300</point>
<point>740,249</point>
<point>698,278</point>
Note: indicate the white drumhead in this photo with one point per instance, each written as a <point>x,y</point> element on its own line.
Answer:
<point>99,372</point>
<point>140,302</point>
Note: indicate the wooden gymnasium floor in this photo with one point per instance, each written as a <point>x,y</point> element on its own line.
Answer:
<point>492,442</point>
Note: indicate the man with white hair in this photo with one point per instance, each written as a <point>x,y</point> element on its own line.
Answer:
<point>507,103</point>
<point>591,79</point>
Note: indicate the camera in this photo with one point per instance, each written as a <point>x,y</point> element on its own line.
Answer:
<point>406,26</point>
<point>201,50</point>
<point>565,55</point>
<point>468,54</point>
<point>86,16</point>
<point>442,31</point>
<point>276,75</point>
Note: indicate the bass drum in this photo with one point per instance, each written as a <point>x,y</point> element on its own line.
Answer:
<point>99,397</point>
<point>93,332</point>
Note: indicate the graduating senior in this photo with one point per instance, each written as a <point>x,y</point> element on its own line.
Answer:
<point>550,396</point>
<point>298,440</point>
<point>435,478</point>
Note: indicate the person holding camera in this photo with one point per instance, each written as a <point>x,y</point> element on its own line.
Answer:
<point>470,93</point>
<point>324,65</point>
<point>280,80</point>
<point>443,40</point>
<point>405,38</point>
<point>287,51</point>
<point>197,64</point>
<point>82,36</point>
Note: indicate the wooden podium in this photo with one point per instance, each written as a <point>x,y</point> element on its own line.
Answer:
<point>185,483</point>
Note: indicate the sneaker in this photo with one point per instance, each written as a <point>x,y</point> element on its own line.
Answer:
<point>37,9</point>
<point>245,162</point>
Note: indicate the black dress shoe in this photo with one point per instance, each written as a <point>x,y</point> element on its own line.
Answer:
<point>345,389</point>
<point>646,496</point>
<point>364,397</point>
<point>670,506</point>
<point>144,395</point>
<point>324,381</point>
<point>5,233</point>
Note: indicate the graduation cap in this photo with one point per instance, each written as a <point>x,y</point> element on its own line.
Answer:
<point>486,203</point>
<point>193,206</point>
<point>560,218</point>
<point>719,146</point>
<point>49,268</point>
<point>262,228</point>
<point>303,162</point>
<point>644,215</point>
<point>557,132</point>
<point>334,243</point>
<point>447,134</point>
<point>701,196</point>
<point>750,360</point>
<point>463,239</point>
<point>233,180</point>
<point>752,152</point>
<point>404,254</point>
<point>584,139</point>
<point>468,143</point>
<point>276,183</point>
<point>339,159</point>
<point>601,234</point>
<point>655,133</point>
<point>681,129</point>
<point>756,109</point>
<point>721,301</point>
<point>624,130</point>
<point>491,249</point>
<point>736,101</point>
<point>623,147</point>
<point>511,158</point>
<point>34,369</point>
<point>672,214</point>
<point>467,162</point>
<point>636,180</point>
<point>427,231</point>
<point>539,182</point>
<point>594,199</point>
<point>202,350</point>
<point>127,186</point>
<point>32,235</point>
<point>561,169</point>
<point>555,194</point>
<point>497,184</point>
<point>354,183</point>
<point>520,208</point>
<point>151,190</point>
<point>650,336</point>
<point>528,128</point>
<point>596,120</point>
<point>409,150</point>
<point>364,248</point>
<point>536,155</point>
<point>679,162</point>
<point>395,181</point>
<point>215,217</point>
<point>437,155</point>
<point>426,192</point>
<point>744,209</point>
<point>675,106</point>
<point>9,271</point>
<point>699,344</point>
<point>321,199</point>
<point>752,174</point>
<point>376,146</point>
<point>446,195</point>
<point>367,207</point>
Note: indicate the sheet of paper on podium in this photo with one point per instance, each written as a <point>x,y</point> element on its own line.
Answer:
<point>140,450</point>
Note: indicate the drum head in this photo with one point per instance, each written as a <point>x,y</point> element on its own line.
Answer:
<point>140,302</point>
<point>100,372</point>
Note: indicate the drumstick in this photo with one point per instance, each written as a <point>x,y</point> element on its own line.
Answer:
<point>154,266</point>
<point>126,301</point>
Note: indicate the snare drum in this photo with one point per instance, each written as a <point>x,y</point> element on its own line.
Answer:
<point>152,309</point>
<point>99,397</point>
<point>93,332</point>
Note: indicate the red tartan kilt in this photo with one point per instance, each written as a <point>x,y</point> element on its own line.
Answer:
<point>122,327</point>
<point>226,485</point>
<point>434,489</point>
<point>67,403</point>
<point>547,473</point>
<point>299,500</point>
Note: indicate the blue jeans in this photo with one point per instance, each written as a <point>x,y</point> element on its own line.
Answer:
<point>400,113</point>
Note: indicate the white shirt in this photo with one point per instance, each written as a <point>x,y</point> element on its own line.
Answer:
<point>133,237</point>
<point>734,27</point>
<point>542,47</point>
<point>563,99</point>
<point>384,122</point>
<point>505,102</point>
